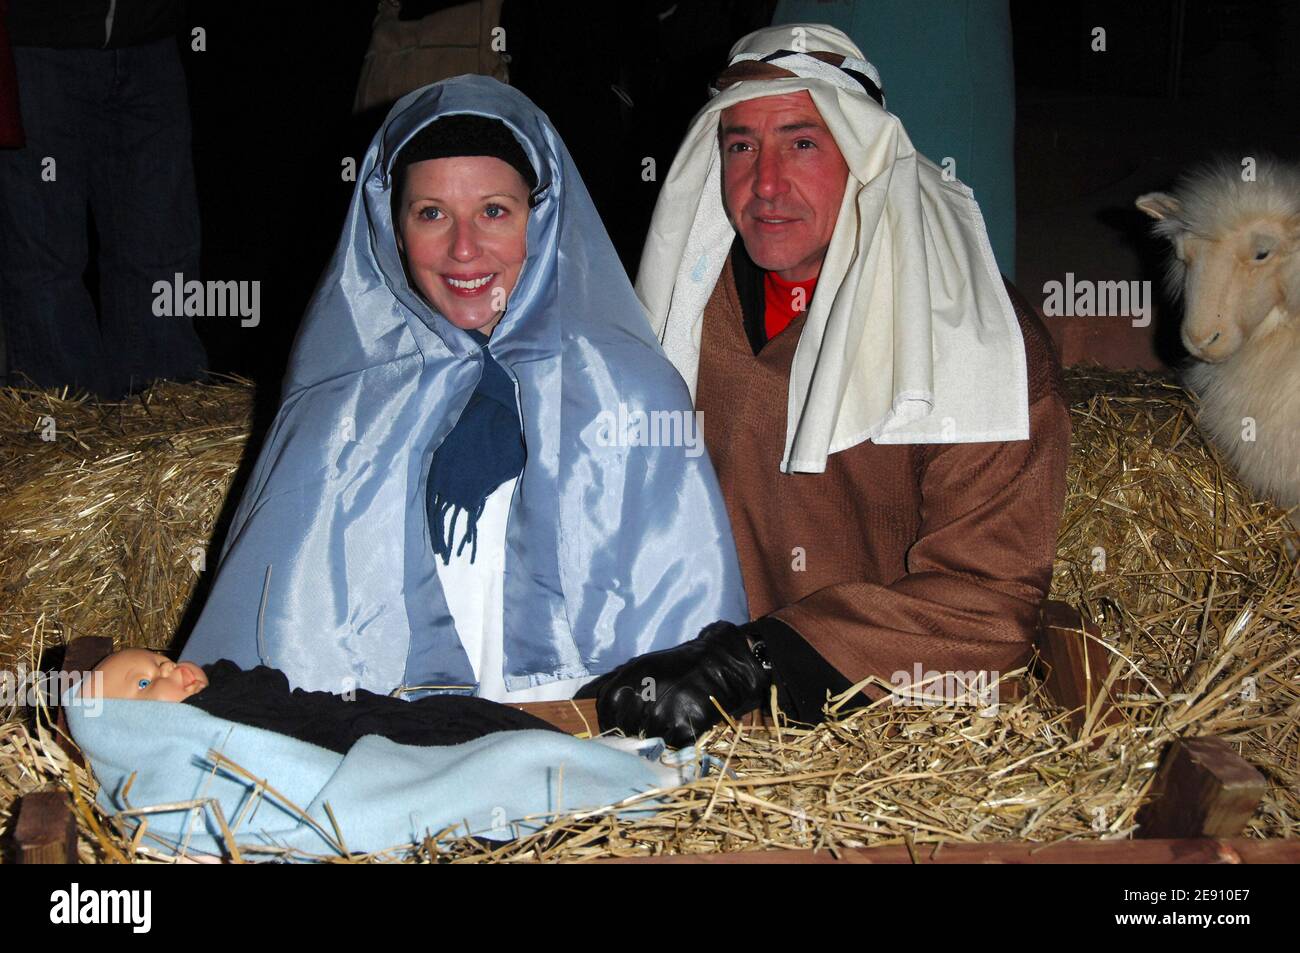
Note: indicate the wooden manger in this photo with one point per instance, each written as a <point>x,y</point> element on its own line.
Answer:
<point>1197,808</point>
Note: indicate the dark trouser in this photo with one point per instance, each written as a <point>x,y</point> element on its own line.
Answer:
<point>108,136</point>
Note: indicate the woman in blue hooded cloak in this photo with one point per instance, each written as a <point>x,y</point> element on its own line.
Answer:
<point>591,528</point>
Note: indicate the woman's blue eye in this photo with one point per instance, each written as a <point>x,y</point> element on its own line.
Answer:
<point>423,213</point>
<point>143,684</point>
<point>494,208</point>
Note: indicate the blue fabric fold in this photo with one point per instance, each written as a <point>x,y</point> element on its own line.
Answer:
<point>617,541</point>
<point>383,795</point>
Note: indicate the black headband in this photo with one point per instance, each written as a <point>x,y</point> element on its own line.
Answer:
<point>872,90</point>
<point>465,134</point>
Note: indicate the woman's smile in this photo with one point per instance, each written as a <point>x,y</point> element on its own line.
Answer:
<point>469,286</point>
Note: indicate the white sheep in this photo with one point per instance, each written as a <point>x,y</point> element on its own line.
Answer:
<point>1236,265</point>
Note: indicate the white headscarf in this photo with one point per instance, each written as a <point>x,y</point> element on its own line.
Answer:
<point>910,335</point>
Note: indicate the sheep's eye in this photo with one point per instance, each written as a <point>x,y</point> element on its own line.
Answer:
<point>1261,255</point>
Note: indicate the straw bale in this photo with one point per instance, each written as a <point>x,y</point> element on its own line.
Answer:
<point>106,509</point>
<point>1188,576</point>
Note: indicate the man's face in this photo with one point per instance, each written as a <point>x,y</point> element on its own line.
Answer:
<point>783,180</point>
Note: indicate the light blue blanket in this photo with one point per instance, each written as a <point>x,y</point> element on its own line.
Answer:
<point>383,795</point>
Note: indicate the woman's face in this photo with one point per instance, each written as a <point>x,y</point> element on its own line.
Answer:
<point>463,231</point>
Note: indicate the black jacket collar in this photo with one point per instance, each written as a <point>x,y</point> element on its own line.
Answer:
<point>752,295</point>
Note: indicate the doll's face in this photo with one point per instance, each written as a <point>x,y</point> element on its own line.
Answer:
<point>146,675</point>
<point>463,231</point>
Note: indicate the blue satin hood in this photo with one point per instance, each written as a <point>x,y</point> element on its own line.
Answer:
<point>613,549</point>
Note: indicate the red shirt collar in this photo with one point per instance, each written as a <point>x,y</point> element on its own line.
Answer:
<point>783,300</point>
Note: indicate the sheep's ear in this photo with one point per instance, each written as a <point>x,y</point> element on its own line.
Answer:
<point>1159,205</point>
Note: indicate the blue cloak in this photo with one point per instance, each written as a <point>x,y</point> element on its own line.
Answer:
<point>617,543</point>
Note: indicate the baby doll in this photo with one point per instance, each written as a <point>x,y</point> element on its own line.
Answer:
<point>261,697</point>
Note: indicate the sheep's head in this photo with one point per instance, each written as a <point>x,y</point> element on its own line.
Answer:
<point>1236,254</point>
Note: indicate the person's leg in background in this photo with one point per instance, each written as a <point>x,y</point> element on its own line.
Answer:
<point>51,333</point>
<point>948,74</point>
<point>146,209</point>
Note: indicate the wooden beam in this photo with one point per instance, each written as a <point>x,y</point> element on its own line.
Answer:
<point>85,652</point>
<point>579,716</point>
<point>1192,851</point>
<point>46,832</point>
<point>1202,789</point>
<point>576,716</point>
<point>81,655</point>
<point>1074,664</point>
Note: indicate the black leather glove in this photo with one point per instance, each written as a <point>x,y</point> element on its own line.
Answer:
<point>666,693</point>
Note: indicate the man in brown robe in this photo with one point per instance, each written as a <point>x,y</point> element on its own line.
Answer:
<point>897,560</point>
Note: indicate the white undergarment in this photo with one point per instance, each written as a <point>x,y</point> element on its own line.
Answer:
<point>476,597</point>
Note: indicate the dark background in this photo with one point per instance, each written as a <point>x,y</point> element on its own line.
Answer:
<point>272,95</point>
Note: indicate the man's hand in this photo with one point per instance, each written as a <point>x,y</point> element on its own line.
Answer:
<point>666,694</point>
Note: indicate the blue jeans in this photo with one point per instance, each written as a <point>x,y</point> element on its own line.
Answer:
<point>111,128</point>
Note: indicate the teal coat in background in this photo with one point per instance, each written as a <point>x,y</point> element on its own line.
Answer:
<point>947,71</point>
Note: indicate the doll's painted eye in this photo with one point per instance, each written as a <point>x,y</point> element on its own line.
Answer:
<point>143,684</point>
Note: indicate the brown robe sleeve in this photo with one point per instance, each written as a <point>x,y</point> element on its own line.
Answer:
<point>978,571</point>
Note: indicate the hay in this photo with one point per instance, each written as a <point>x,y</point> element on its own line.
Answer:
<point>1187,575</point>
<point>106,509</point>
